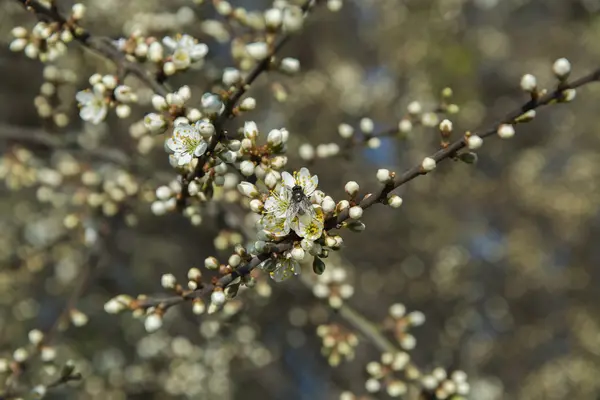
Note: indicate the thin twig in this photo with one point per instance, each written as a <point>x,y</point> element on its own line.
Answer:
<point>228,110</point>
<point>39,136</point>
<point>101,45</point>
<point>452,149</point>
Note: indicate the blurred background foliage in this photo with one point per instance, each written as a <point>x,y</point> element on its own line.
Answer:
<point>500,256</point>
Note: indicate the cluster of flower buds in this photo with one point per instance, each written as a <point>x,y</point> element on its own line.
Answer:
<point>368,136</point>
<point>399,322</point>
<point>47,40</point>
<point>440,386</point>
<point>109,191</point>
<point>383,375</point>
<point>415,115</point>
<point>332,285</point>
<point>265,161</point>
<point>106,93</point>
<point>219,298</point>
<point>47,355</point>
<point>171,110</point>
<point>172,54</point>
<point>166,199</point>
<point>18,169</point>
<point>47,103</point>
<point>561,68</point>
<point>338,343</point>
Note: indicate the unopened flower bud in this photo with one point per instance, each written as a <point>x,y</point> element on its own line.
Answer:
<point>394,201</point>
<point>351,188</point>
<point>153,323</point>
<point>474,142</point>
<point>355,212</point>
<point>528,83</point>
<point>258,50</point>
<point>561,68</point>
<point>506,131</point>
<point>346,131</point>
<point>428,164</point>
<point>211,263</point>
<point>384,175</point>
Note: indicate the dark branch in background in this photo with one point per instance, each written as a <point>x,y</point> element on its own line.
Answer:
<point>97,258</point>
<point>40,137</point>
<point>100,45</point>
<point>452,149</point>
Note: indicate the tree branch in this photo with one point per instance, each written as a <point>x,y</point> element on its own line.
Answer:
<point>452,149</point>
<point>100,45</point>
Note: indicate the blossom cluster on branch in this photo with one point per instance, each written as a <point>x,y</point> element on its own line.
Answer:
<point>219,160</point>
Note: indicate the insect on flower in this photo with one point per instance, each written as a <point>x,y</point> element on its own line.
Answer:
<point>300,204</point>
<point>289,207</point>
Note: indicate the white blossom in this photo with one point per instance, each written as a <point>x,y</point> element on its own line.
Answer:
<point>306,152</point>
<point>384,175</point>
<point>217,297</point>
<point>247,189</point>
<point>561,68</point>
<point>231,76</point>
<point>186,50</point>
<point>367,125</point>
<point>290,65</point>
<point>528,83</point>
<point>258,50</point>
<point>93,106</point>
<point>506,131</point>
<point>168,281</point>
<point>351,188</point>
<point>155,123</point>
<point>285,268</point>
<point>474,142</point>
<point>405,125</point>
<point>186,143</point>
<point>153,323</point>
<point>211,103</point>
<point>395,201</point>
<point>283,214</point>
<point>293,18</point>
<point>355,212</point>
<point>428,164</point>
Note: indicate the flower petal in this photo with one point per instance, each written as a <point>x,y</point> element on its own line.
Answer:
<point>87,113</point>
<point>198,51</point>
<point>183,131</point>
<point>277,227</point>
<point>288,179</point>
<point>100,114</point>
<point>173,145</point>
<point>200,149</point>
<point>308,226</point>
<point>84,97</point>
<point>285,269</point>
<point>169,42</point>
<point>184,158</point>
<point>308,183</point>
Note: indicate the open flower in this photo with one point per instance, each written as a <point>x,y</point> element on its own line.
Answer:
<point>310,227</point>
<point>92,106</point>
<point>285,268</point>
<point>303,179</point>
<point>289,207</point>
<point>186,50</point>
<point>186,143</point>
